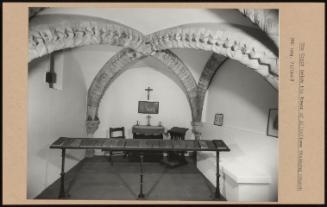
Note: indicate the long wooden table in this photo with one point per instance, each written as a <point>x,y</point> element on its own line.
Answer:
<point>140,145</point>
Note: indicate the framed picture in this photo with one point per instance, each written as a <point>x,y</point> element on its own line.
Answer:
<point>272,126</point>
<point>148,107</point>
<point>219,119</point>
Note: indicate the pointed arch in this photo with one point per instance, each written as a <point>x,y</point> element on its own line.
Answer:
<point>184,75</point>
<point>250,46</point>
<point>119,63</point>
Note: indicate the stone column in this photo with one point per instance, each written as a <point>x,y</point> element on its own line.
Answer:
<point>91,127</point>
<point>196,129</point>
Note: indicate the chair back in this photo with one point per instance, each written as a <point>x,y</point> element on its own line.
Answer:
<point>118,132</point>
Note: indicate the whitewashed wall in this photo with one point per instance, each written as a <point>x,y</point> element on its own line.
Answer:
<point>119,106</point>
<point>244,98</point>
<point>53,113</point>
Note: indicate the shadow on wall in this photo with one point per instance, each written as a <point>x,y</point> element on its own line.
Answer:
<point>247,85</point>
<point>53,113</point>
<point>244,98</point>
<point>236,18</point>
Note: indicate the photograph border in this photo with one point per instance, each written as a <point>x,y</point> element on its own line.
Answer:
<point>15,22</point>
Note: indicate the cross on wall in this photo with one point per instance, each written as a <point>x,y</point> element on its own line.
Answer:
<point>148,117</point>
<point>148,90</point>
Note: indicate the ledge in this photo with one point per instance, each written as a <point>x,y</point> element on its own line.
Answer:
<point>242,173</point>
<point>236,170</point>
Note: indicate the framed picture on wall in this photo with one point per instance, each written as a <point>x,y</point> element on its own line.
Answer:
<point>219,119</point>
<point>272,126</point>
<point>148,107</point>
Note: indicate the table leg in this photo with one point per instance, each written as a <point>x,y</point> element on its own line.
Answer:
<point>62,175</point>
<point>217,194</point>
<point>141,195</point>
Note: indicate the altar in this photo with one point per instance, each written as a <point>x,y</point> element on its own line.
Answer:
<point>147,132</point>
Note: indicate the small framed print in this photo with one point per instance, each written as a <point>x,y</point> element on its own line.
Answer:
<point>219,119</point>
<point>272,125</point>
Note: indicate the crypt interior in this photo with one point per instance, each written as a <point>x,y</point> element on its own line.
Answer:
<point>212,72</point>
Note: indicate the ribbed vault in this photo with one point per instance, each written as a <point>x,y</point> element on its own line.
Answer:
<point>249,46</point>
<point>252,47</point>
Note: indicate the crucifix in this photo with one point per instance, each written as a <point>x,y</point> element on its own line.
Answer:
<point>148,90</point>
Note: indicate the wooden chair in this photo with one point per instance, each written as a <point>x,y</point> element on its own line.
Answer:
<point>118,132</point>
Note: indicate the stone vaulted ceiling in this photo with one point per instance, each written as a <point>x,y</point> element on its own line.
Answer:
<point>255,46</point>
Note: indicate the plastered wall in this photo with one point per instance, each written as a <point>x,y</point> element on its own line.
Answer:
<point>53,113</point>
<point>119,105</point>
<point>244,98</point>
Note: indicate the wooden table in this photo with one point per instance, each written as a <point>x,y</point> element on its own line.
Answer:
<point>141,145</point>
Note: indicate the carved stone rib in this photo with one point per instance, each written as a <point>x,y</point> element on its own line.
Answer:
<point>48,33</point>
<point>111,68</point>
<point>184,75</point>
<point>213,64</point>
<point>250,48</point>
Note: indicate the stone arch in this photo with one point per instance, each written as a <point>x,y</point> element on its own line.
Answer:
<point>111,70</point>
<point>184,75</point>
<point>213,64</point>
<point>118,64</point>
<point>250,46</point>
<point>48,33</point>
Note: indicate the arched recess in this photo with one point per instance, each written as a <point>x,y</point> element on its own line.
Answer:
<point>48,33</point>
<point>118,64</point>
<point>250,46</point>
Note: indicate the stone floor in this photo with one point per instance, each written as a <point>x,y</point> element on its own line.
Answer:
<point>96,178</point>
